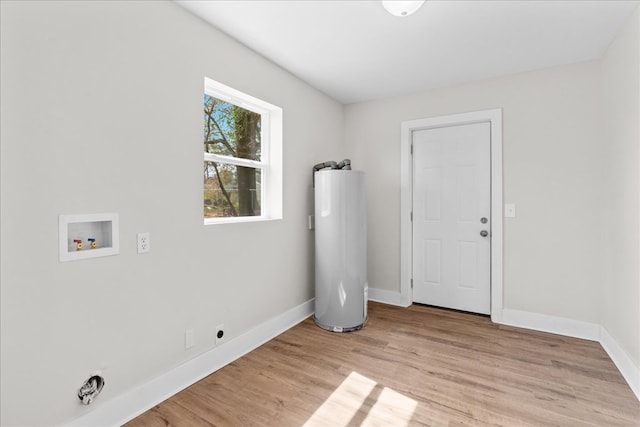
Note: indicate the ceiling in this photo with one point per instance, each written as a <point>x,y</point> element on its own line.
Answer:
<point>355,51</point>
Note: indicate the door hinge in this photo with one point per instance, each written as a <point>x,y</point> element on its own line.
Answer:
<point>411,216</point>
<point>411,283</point>
<point>411,148</point>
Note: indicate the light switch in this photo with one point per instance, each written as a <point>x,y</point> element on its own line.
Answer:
<point>509,210</point>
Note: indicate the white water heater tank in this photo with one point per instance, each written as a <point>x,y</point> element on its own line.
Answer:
<point>340,250</point>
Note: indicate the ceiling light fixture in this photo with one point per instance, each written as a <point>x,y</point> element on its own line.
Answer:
<point>402,7</point>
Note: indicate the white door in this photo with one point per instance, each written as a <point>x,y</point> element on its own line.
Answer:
<point>451,217</point>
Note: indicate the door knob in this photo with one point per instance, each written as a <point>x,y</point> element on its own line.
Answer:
<point>484,233</point>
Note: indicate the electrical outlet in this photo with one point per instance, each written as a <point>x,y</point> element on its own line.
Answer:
<point>144,242</point>
<point>220,334</point>
<point>189,339</point>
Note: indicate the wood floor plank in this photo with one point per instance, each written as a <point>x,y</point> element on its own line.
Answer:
<point>417,366</point>
<point>169,414</point>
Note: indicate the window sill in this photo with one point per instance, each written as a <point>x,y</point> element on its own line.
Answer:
<point>235,220</point>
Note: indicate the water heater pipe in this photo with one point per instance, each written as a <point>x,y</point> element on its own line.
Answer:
<point>343,165</point>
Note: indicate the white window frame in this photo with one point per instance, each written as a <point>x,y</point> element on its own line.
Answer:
<point>270,164</point>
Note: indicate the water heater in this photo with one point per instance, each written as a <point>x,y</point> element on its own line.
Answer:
<point>340,247</point>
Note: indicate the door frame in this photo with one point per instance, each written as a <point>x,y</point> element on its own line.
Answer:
<point>494,118</point>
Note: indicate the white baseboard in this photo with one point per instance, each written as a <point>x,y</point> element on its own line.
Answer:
<point>129,405</point>
<point>552,324</point>
<point>388,297</point>
<point>577,329</point>
<point>629,370</point>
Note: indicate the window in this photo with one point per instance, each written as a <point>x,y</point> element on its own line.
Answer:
<point>242,156</point>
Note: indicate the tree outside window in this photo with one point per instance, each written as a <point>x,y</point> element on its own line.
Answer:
<point>233,160</point>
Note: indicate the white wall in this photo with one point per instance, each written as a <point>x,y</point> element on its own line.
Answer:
<point>551,171</point>
<point>621,161</point>
<point>102,112</point>
<point>571,160</point>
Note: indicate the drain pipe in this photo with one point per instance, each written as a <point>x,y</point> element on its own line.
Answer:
<point>90,389</point>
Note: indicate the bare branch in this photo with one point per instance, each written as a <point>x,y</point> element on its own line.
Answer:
<point>224,191</point>
<point>224,140</point>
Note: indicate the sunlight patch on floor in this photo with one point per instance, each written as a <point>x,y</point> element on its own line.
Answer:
<point>361,401</point>
<point>391,409</point>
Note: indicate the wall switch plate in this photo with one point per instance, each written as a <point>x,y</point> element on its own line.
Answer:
<point>220,334</point>
<point>144,243</point>
<point>509,210</point>
<point>189,339</point>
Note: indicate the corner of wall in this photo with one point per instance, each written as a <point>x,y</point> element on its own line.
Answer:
<point>620,284</point>
<point>629,370</point>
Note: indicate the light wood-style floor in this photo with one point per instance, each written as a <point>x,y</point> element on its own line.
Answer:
<point>409,366</point>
